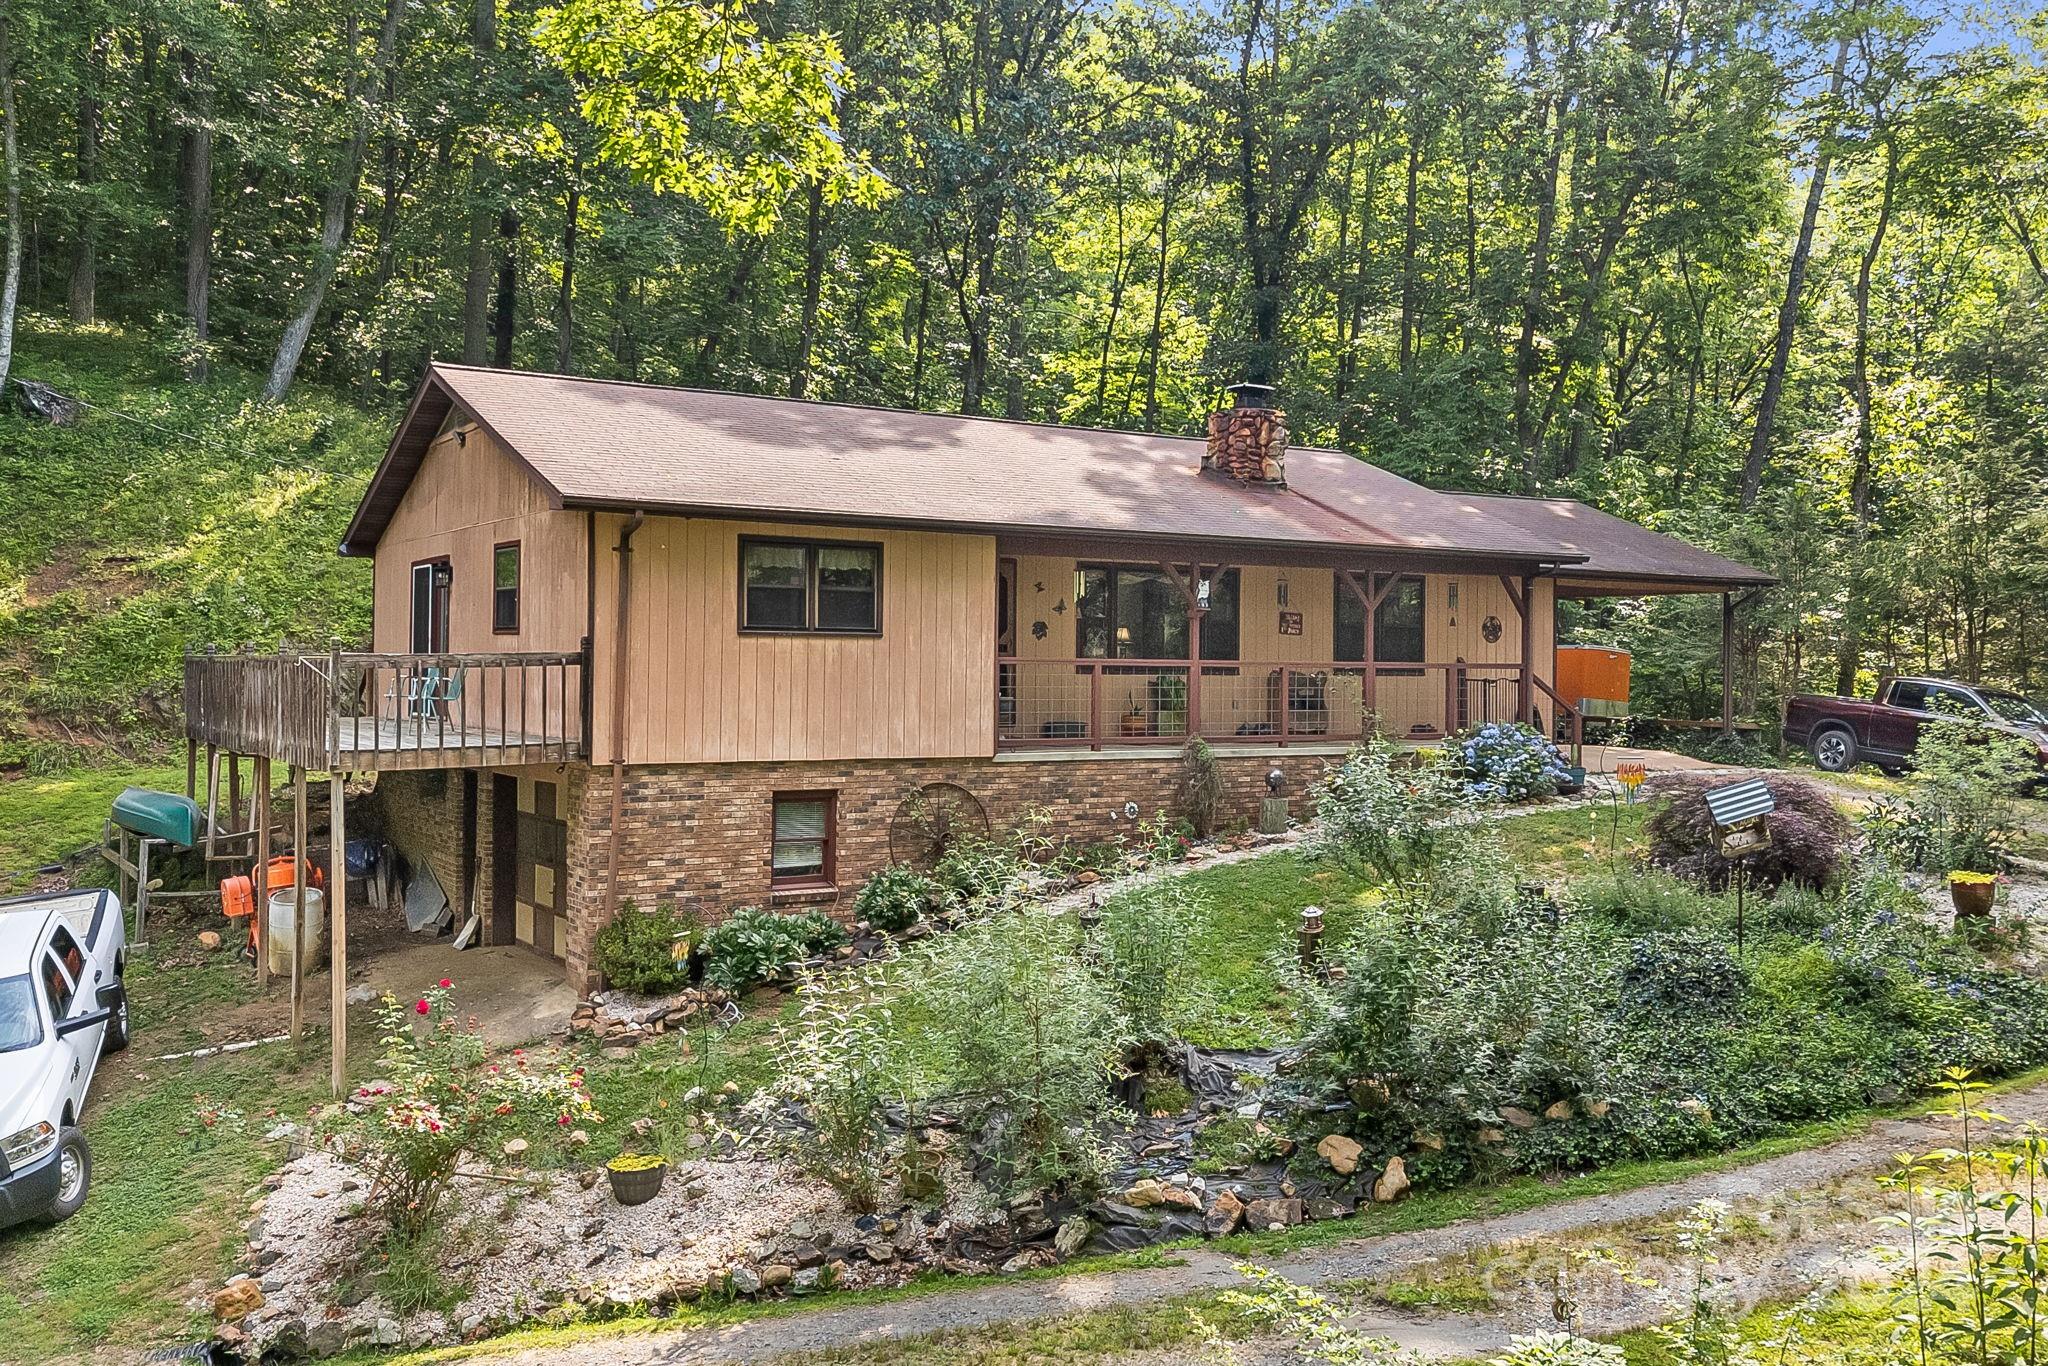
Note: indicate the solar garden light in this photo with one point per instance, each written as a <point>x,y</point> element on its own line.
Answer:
<point>1276,780</point>
<point>1311,938</point>
<point>1091,914</point>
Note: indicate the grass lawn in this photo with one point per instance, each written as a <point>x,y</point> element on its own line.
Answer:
<point>46,818</point>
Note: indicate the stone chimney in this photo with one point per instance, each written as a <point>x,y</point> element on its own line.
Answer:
<point>1248,440</point>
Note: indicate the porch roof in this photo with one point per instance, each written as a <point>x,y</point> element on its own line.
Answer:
<point>1617,557</point>
<point>618,446</point>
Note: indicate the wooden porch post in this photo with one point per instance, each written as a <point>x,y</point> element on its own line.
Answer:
<point>298,899</point>
<point>1370,596</point>
<point>337,922</point>
<point>1522,598</point>
<point>260,878</point>
<point>1727,663</point>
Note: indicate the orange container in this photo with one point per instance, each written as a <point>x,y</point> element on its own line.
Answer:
<point>1588,673</point>
<point>238,894</point>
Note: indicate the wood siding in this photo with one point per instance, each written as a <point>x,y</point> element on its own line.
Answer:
<point>468,498</point>
<point>700,691</point>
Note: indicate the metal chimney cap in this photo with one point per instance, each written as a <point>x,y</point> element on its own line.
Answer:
<point>1249,395</point>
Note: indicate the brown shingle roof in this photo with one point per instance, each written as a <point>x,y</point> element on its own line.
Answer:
<point>1617,551</point>
<point>607,444</point>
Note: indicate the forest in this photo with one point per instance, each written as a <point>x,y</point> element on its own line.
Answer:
<point>1768,274</point>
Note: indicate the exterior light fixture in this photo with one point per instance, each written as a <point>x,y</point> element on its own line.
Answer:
<point>1202,594</point>
<point>1276,780</point>
<point>1311,938</point>
<point>1280,591</point>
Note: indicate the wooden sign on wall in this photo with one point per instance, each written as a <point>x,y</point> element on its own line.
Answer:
<point>1290,623</point>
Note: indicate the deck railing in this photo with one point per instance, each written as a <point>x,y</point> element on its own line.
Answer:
<point>1096,703</point>
<point>344,710</point>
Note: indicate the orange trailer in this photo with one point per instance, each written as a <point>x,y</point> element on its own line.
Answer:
<point>1594,679</point>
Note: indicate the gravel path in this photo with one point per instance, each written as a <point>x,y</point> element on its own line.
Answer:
<point>1199,1270</point>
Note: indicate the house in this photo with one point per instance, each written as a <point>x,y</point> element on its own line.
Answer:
<point>648,643</point>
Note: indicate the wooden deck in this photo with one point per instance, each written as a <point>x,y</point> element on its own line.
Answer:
<point>369,712</point>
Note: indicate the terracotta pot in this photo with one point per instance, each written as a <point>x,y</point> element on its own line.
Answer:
<point>1973,899</point>
<point>637,1187</point>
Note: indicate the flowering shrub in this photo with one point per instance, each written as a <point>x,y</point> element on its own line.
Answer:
<point>441,1102</point>
<point>1512,763</point>
<point>638,950</point>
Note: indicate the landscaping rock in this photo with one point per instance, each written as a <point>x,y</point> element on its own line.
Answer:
<point>515,1148</point>
<point>1330,1207</point>
<point>1393,1182</point>
<point>1072,1236</point>
<point>1280,1213</point>
<point>237,1299</point>
<point>387,1333</point>
<point>777,1276</point>
<point>327,1339</point>
<point>1517,1118</point>
<point>1224,1215</point>
<point>1341,1153</point>
<point>1596,1109</point>
<point>745,1280</point>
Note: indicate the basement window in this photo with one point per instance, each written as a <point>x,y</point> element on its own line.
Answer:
<point>818,587</point>
<point>802,850</point>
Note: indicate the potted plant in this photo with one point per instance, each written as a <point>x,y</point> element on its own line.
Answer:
<point>1133,722</point>
<point>636,1177</point>
<point>1972,893</point>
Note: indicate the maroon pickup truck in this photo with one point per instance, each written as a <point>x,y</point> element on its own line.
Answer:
<point>1841,732</point>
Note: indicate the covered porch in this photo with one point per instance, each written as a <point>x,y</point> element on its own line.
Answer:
<point>1110,646</point>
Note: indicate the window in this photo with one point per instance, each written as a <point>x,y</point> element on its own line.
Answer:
<point>60,987</point>
<point>802,851</point>
<point>826,586</point>
<point>20,1027</point>
<point>1397,625</point>
<point>1123,613</point>
<point>505,588</point>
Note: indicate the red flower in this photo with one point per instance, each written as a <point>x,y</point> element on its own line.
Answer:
<point>423,1008</point>
<point>446,983</point>
<point>562,1120</point>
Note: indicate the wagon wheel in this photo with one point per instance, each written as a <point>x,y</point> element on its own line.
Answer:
<point>932,820</point>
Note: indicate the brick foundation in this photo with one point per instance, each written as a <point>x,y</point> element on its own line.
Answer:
<point>698,835</point>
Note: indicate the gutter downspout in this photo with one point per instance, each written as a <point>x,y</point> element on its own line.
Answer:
<point>625,552</point>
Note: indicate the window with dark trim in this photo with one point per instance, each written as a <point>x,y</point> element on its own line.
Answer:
<point>830,587</point>
<point>1127,612</point>
<point>1397,625</point>
<point>801,852</point>
<point>505,588</point>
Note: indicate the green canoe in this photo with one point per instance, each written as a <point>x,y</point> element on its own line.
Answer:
<point>160,815</point>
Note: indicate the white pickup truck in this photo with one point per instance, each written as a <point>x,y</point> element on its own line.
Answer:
<point>62,1005</point>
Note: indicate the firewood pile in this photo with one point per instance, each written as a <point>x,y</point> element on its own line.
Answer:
<point>1248,444</point>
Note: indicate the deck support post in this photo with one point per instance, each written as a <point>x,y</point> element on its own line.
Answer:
<point>337,927</point>
<point>1727,663</point>
<point>191,767</point>
<point>259,877</point>
<point>298,900</point>
<point>1523,597</point>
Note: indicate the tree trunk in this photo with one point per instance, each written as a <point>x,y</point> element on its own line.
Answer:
<point>291,347</point>
<point>476,282</point>
<point>924,309</point>
<point>814,286</point>
<point>10,287</point>
<point>506,317</point>
<point>1410,288</point>
<point>1795,285</point>
<point>1155,335</point>
<point>1532,303</point>
<point>85,261</point>
<point>565,300</point>
<point>1016,362</point>
<point>1849,656</point>
<point>198,222</point>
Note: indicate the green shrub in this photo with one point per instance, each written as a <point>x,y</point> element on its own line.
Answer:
<point>754,945</point>
<point>1030,1039</point>
<point>980,874</point>
<point>1810,837</point>
<point>637,951</point>
<point>845,1064</point>
<point>1956,814</point>
<point>1390,809</point>
<point>896,898</point>
<point>1145,950</point>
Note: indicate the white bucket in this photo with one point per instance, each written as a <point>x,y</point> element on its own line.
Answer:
<point>313,940</point>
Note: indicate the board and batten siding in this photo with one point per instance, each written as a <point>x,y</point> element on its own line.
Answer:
<point>699,690</point>
<point>468,498</point>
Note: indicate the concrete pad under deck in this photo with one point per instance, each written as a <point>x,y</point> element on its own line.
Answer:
<point>516,995</point>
